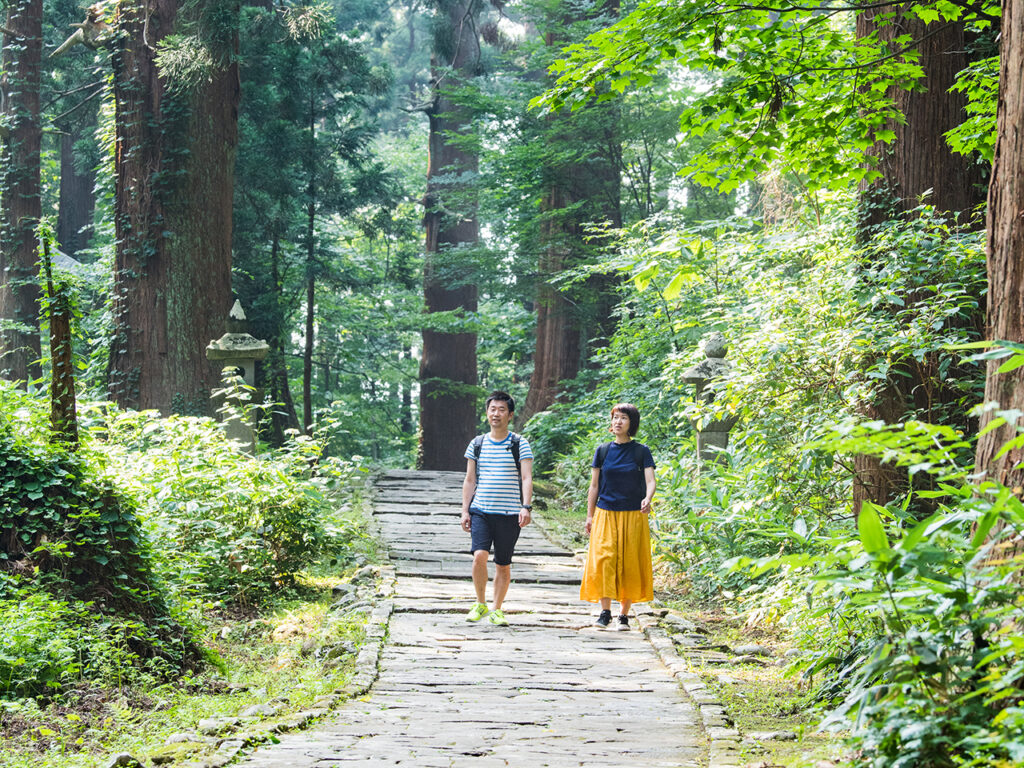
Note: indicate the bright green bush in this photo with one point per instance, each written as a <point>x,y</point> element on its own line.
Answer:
<point>911,628</point>
<point>224,525</point>
<point>47,645</point>
<point>39,652</point>
<point>912,642</point>
<point>71,537</point>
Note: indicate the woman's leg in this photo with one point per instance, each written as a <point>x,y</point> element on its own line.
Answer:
<point>606,603</point>
<point>625,605</point>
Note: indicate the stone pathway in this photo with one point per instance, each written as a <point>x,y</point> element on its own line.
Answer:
<point>549,690</point>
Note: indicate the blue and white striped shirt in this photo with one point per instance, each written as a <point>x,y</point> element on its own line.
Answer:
<point>497,489</point>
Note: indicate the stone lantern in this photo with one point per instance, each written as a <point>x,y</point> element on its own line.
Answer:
<point>237,352</point>
<point>713,437</point>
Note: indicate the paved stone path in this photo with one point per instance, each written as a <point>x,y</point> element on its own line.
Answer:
<point>549,690</point>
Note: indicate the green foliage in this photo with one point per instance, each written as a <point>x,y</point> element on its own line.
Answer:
<point>108,548</point>
<point>224,525</point>
<point>924,663</point>
<point>72,542</point>
<point>977,134</point>
<point>64,519</point>
<point>48,645</point>
<point>790,86</point>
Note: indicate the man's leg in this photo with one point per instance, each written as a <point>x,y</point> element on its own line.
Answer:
<point>502,578</point>
<point>480,575</point>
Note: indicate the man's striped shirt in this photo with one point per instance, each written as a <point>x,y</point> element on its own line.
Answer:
<point>497,487</point>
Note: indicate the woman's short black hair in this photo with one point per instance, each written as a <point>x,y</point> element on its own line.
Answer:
<point>631,411</point>
<point>499,395</point>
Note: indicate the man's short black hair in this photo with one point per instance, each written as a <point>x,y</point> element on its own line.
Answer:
<point>499,395</point>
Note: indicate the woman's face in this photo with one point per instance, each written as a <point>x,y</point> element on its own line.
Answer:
<point>620,425</point>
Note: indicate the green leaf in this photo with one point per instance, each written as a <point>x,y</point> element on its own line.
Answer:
<point>675,287</point>
<point>1012,364</point>
<point>984,526</point>
<point>872,533</point>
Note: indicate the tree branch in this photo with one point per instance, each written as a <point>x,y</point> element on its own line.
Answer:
<point>78,106</point>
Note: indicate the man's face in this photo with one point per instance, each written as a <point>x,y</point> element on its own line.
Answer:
<point>498,414</point>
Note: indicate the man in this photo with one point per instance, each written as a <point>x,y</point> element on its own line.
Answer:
<point>496,496</point>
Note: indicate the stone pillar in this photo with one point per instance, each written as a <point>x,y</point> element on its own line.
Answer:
<point>713,437</point>
<point>238,352</point>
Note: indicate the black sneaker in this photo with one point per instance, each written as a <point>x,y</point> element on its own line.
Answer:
<point>604,619</point>
<point>623,622</point>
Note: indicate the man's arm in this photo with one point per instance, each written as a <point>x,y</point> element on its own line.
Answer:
<point>468,489</point>
<point>526,467</point>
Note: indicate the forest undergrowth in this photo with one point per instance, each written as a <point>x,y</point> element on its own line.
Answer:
<point>229,583</point>
<point>900,615</point>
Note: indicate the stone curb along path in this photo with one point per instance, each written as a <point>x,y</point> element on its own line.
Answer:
<point>549,690</point>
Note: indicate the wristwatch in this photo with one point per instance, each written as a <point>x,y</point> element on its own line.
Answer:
<point>527,507</point>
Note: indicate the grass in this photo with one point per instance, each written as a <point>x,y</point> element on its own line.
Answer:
<point>762,697</point>
<point>256,657</point>
<point>262,659</point>
<point>562,524</point>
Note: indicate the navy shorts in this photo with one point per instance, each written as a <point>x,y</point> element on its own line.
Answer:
<point>500,530</point>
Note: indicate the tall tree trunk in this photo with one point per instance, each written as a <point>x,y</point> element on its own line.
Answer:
<point>307,354</point>
<point>1005,252</point>
<point>448,375</point>
<point>173,204</point>
<point>74,214</point>
<point>310,243</point>
<point>918,160</point>
<point>63,412</point>
<point>585,189</point>
<point>283,416</point>
<point>20,141</point>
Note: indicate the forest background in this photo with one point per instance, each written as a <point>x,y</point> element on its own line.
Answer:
<point>415,203</point>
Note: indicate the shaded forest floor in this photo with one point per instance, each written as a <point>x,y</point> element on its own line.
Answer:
<point>265,665</point>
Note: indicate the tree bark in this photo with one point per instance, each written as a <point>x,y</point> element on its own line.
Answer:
<point>173,204</point>
<point>283,416</point>
<point>448,375</point>
<point>918,160</point>
<point>20,347</point>
<point>74,214</point>
<point>583,190</point>
<point>307,355</point>
<point>63,412</point>
<point>1005,253</point>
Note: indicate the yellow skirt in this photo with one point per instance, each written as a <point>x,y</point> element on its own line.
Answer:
<point>618,558</point>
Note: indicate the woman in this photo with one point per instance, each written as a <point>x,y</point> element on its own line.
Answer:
<point>621,489</point>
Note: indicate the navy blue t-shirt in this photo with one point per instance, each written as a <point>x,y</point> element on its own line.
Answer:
<point>622,486</point>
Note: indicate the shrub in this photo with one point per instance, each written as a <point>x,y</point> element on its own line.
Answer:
<point>225,525</point>
<point>68,535</point>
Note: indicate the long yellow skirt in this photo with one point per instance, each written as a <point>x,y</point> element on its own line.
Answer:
<point>618,558</point>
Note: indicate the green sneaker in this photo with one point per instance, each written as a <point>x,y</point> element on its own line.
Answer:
<point>497,618</point>
<point>477,612</point>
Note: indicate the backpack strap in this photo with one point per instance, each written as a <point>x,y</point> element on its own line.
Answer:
<point>478,444</point>
<point>638,454</point>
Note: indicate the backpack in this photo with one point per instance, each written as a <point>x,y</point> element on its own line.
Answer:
<point>478,444</point>
<point>638,455</point>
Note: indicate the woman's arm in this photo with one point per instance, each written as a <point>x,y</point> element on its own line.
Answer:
<point>652,485</point>
<point>595,475</point>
